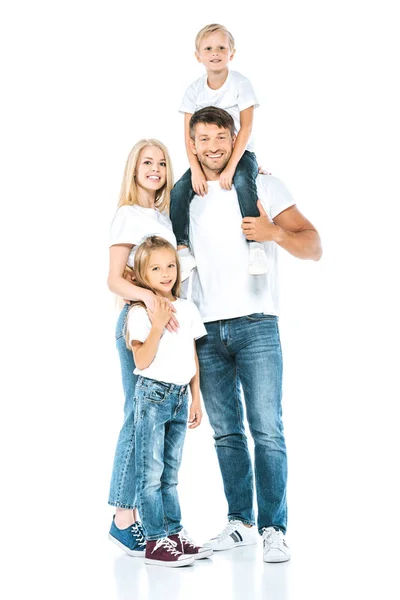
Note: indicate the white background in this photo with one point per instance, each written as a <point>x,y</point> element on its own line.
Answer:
<point>82,82</point>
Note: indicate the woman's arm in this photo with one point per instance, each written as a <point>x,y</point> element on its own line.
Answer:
<point>118,284</point>
<point>195,414</point>
<point>246,125</point>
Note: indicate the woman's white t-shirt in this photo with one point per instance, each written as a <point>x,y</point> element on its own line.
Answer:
<point>132,224</point>
<point>174,361</point>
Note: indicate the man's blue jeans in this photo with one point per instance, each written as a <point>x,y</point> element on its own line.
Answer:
<point>247,351</point>
<point>123,487</point>
<point>160,427</point>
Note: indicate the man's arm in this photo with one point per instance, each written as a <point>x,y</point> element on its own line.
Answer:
<point>290,230</point>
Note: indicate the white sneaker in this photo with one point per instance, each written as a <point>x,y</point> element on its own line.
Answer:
<point>188,263</point>
<point>275,548</point>
<point>258,261</point>
<point>235,534</point>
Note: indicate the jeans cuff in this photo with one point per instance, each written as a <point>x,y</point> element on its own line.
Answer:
<point>122,505</point>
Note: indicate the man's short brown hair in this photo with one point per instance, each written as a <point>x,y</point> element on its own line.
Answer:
<point>214,116</point>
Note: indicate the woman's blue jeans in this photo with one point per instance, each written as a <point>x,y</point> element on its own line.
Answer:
<point>247,351</point>
<point>123,485</point>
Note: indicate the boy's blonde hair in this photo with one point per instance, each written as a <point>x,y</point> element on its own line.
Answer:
<point>129,194</point>
<point>208,30</point>
<point>142,258</point>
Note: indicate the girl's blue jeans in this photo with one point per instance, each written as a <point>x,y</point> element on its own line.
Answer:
<point>123,479</point>
<point>160,427</point>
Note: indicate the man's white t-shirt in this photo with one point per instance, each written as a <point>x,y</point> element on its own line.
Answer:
<point>132,224</point>
<point>235,95</point>
<point>222,286</point>
<point>174,361</point>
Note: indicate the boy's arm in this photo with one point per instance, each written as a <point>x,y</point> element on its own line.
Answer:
<point>246,125</point>
<point>199,182</point>
<point>196,413</point>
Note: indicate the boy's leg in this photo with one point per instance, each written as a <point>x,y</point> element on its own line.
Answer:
<point>175,433</point>
<point>181,196</point>
<point>245,184</point>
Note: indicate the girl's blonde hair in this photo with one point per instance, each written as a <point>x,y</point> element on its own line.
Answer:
<point>142,259</point>
<point>208,30</point>
<point>129,192</point>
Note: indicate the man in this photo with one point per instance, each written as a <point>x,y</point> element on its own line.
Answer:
<point>242,348</point>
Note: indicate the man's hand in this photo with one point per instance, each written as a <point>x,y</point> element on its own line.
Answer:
<point>154,303</point>
<point>225,179</point>
<point>195,415</point>
<point>260,229</point>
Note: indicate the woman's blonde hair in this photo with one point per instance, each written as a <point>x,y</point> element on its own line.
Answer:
<point>142,259</point>
<point>208,30</point>
<point>129,192</point>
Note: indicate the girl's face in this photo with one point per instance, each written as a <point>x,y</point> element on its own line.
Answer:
<point>151,169</point>
<point>161,272</point>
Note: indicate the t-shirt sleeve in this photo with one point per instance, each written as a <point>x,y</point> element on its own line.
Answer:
<point>246,96</point>
<point>198,329</point>
<point>138,324</point>
<point>274,195</point>
<point>188,104</point>
<point>125,229</point>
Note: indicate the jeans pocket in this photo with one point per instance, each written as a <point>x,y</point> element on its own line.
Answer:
<point>261,317</point>
<point>156,393</point>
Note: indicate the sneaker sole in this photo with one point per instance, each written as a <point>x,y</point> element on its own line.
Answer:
<point>205,554</point>
<point>164,563</point>
<point>129,552</point>
<point>277,559</point>
<point>232,547</point>
<point>258,271</point>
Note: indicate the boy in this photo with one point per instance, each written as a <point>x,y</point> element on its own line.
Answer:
<point>215,48</point>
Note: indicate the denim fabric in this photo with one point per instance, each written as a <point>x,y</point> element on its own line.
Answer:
<point>182,194</point>
<point>247,351</point>
<point>160,428</point>
<point>122,487</point>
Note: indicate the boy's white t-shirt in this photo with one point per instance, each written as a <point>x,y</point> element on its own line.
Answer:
<point>132,224</point>
<point>174,361</point>
<point>222,286</point>
<point>235,95</point>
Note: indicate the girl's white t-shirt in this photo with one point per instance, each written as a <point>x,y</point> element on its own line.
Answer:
<point>174,361</point>
<point>235,95</point>
<point>132,224</point>
<point>222,285</point>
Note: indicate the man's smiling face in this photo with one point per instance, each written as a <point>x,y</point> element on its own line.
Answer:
<point>213,147</point>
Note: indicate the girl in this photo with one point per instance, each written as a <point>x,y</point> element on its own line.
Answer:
<point>166,364</point>
<point>142,211</point>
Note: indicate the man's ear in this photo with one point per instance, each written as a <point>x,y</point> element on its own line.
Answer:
<point>233,139</point>
<point>192,146</point>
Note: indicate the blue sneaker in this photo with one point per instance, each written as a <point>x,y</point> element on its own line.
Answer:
<point>131,539</point>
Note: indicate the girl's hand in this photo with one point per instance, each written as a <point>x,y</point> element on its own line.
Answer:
<point>225,179</point>
<point>195,415</point>
<point>153,304</point>
<point>199,183</point>
<point>161,314</point>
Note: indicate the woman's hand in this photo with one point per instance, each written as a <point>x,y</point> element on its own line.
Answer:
<point>154,304</point>
<point>195,414</point>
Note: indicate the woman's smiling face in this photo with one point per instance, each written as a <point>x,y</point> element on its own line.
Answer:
<point>151,169</point>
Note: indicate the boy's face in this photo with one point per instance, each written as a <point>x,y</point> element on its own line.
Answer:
<point>214,52</point>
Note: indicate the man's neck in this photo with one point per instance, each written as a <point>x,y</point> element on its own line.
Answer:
<point>216,79</point>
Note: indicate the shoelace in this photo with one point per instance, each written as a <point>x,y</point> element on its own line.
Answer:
<point>186,539</point>
<point>274,538</point>
<point>138,532</point>
<point>232,525</point>
<point>168,544</point>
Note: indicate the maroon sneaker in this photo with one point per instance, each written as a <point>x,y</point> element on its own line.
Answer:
<point>190,548</point>
<point>165,553</point>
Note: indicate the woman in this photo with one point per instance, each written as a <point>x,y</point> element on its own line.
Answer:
<point>142,211</point>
